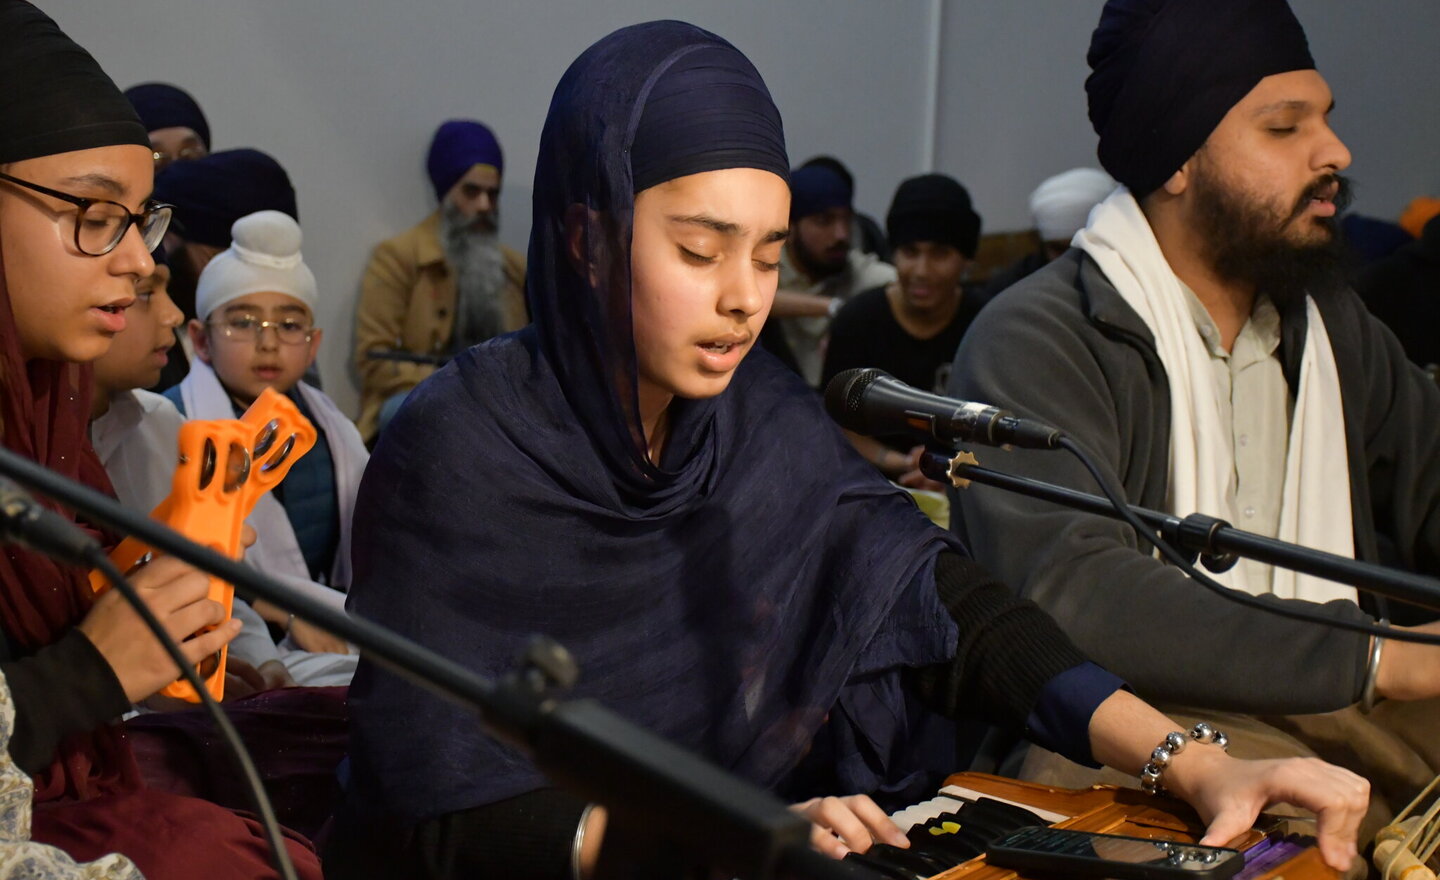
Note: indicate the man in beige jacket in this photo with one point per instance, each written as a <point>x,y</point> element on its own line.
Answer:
<point>442,286</point>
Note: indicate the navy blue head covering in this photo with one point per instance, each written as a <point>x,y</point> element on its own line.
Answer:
<point>212,192</point>
<point>760,577</point>
<point>162,105</point>
<point>708,110</point>
<point>1165,72</point>
<point>54,98</point>
<point>817,188</point>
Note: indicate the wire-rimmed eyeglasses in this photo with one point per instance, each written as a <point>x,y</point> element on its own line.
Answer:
<point>247,328</point>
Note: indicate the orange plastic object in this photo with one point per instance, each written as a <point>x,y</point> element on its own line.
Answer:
<point>225,466</point>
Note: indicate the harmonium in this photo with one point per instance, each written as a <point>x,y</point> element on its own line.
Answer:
<point>949,833</point>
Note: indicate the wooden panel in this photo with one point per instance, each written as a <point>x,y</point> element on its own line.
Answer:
<point>1112,810</point>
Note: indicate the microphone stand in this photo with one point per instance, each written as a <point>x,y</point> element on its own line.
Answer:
<point>1217,543</point>
<point>645,781</point>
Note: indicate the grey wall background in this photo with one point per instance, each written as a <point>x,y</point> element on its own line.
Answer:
<point>345,93</point>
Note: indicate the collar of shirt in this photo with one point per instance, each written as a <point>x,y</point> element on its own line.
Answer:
<point>1258,339</point>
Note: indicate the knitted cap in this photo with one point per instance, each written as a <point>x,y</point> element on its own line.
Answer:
<point>933,207</point>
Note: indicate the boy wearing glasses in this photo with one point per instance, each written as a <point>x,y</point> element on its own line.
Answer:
<point>256,330</point>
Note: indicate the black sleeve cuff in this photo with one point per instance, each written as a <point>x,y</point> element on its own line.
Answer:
<point>1007,651</point>
<point>527,837</point>
<point>60,690</point>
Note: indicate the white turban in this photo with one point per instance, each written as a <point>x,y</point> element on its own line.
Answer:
<point>264,256</point>
<point>1061,205</point>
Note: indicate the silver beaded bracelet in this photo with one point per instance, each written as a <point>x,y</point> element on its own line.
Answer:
<point>1174,743</point>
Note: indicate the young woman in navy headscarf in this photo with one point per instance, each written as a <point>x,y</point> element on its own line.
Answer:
<point>629,477</point>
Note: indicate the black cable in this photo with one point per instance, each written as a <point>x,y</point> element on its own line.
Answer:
<point>263,808</point>
<point>1178,559</point>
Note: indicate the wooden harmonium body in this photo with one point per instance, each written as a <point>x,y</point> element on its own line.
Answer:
<point>949,833</point>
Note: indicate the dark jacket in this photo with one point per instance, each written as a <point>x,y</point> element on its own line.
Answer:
<point>1403,290</point>
<point>1064,347</point>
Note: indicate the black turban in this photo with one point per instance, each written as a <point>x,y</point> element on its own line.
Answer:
<point>933,207</point>
<point>54,98</point>
<point>1165,72</point>
<point>212,192</point>
<point>162,105</point>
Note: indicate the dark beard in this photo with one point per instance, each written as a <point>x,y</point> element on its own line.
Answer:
<point>1245,245</point>
<point>818,266</point>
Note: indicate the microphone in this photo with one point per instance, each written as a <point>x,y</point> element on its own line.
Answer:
<point>870,401</point>
<point>26,522</point>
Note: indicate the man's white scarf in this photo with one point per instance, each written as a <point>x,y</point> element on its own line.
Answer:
<point>1315,499</point>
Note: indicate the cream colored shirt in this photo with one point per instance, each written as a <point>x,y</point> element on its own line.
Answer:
<point>807,335</point>
<point>1255,409</point>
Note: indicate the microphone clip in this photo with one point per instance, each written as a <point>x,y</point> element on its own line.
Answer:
<point>948,467</point>
<point>1194,536</point>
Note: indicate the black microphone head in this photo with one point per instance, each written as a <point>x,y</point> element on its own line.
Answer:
<point>845,393</point>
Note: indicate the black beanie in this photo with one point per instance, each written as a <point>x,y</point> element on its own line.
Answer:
<point>933,207</point>
<point>1165,72</point>
<point>54,98</point>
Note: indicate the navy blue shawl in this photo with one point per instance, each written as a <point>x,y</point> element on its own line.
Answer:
<point>760,579</point>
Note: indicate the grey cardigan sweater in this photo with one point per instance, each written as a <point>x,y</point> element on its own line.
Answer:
<point>1063,346</point>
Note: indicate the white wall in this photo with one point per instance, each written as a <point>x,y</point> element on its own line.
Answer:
<point>1012,109</point>
<point>345,93</point>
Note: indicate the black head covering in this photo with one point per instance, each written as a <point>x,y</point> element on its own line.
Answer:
<point>933,207</point>
<point>162,105</point>
<point>760,577</point>
<point>1165,72</point>
<point>54,98</point>
<point>212,192</point>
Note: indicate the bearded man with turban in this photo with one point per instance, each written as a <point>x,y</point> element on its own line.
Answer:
<point>1200,338</point>
<point>445,284</point>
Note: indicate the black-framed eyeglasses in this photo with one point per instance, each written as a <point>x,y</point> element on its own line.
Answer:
<point>102,224</point>
<point>247,328</point>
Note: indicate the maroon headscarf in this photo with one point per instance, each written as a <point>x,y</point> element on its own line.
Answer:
<point>45,408</point>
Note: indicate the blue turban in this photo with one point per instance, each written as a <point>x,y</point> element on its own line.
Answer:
<point>211,193</point>
<point>817,188</point>
<point>162,105</point>
<point>1165,72</point>
<point>458,146</point>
